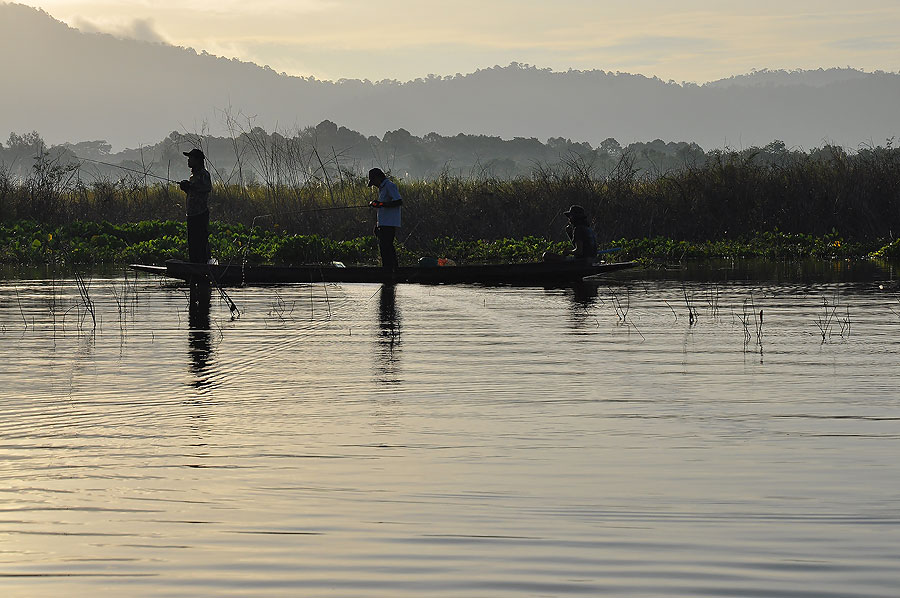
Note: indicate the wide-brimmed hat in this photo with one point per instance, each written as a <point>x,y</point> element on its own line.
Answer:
<point>375,173</point>
<point>575,211</point>
<point>196,153</point>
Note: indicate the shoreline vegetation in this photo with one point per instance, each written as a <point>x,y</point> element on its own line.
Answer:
<point>29,243</point>
<point>769,203</point>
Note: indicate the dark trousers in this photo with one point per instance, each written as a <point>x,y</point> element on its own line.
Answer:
<point>198,237</point>
<point>386,236</point>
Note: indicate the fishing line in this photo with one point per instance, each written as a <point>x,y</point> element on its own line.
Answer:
<point>307,210</point>
<point>255,218</point>
<point>235,312</point>
<point>136,171</point>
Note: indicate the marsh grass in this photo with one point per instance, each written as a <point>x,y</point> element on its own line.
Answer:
<point>825,321</point>
<point>845,323</point>
<point>622,307</point>
<point>775,204</point>
<point>125,298</point>
<point>280,309</point>
<point>693,316</point>
<point>896,312</point>
<point>744,318</point>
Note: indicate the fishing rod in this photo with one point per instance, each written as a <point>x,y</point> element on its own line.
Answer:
<point>168,180</point>
<point>306,211</point>
<point>134,170</point>
<point>235,312</point>
<point>255,218</point>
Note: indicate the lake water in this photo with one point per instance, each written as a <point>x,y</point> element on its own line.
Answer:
<point>460,441</point>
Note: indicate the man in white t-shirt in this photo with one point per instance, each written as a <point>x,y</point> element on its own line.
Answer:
<point>388,217</point>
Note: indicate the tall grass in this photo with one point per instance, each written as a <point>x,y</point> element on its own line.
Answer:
<point>730,195</point>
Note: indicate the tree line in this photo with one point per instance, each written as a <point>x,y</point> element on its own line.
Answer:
<point>252,155</point>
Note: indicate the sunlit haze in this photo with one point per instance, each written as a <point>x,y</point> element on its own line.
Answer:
<point>403,39</point>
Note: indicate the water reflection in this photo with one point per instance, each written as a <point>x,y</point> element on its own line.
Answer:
<point>584,296</point>
<point>585,293</point>
<point>388,340</point>
<point>199,341</point>
<point>507,441</point>
<point>807,271</point>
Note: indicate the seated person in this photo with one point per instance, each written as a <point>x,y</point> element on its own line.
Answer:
<point>579,231</point>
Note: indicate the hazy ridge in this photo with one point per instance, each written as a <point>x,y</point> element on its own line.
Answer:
<point>73,86</point>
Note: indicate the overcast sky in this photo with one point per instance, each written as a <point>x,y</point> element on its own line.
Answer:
<point>688,40</point>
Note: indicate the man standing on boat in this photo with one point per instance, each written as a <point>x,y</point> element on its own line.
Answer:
<point>198,189</point>
<point>388,217</point>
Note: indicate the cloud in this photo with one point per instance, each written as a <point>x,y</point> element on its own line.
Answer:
<point>404,39</point>
<point>661,45</point>
<point>274,7</point>
<point>142,30</point>
<point>865,44</point>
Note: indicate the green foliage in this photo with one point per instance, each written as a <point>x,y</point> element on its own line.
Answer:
<point>891,251</point>
<point>528,249</point>
<point>27,242</point>
<point>767,245</point>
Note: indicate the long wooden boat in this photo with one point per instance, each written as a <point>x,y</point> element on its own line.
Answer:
<point>530,274</point>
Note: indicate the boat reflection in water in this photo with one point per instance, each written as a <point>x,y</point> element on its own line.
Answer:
<point>199,341</point>
<point>388,339</point>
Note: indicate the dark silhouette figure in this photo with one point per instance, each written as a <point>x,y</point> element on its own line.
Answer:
<point>584,241</point>
<point>197,188</point>
<point>388,217</point>
<point>579,231</point>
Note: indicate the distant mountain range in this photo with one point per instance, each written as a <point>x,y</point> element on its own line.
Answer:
<point>74,86</point>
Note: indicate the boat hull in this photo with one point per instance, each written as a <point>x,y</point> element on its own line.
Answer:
<point>535,273</point>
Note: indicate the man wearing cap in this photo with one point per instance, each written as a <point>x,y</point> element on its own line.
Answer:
<point>579,231</point>
<point>388,217</point>
<point>198,189</point>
